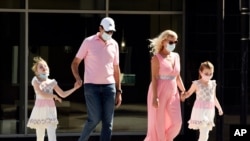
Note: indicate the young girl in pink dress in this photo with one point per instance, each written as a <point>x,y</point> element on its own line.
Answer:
<point>203,112</point>
<point>44,115</point>
<point>163,102</point>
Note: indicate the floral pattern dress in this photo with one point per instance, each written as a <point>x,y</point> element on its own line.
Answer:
<point>203,110</point>
<point>44,112</point>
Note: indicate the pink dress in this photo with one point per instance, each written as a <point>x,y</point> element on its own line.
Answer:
<point>164,122</point>
<point>44,112</point>
<point>204,108</point>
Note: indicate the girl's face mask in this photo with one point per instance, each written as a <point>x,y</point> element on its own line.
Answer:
<point>43,76</point>
<point>206,77</point>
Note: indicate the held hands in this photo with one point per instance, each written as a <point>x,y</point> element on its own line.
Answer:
<point>78,84</point>
<point>183,96</point>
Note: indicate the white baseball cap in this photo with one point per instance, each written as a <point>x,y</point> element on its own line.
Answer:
<point>108,24</point>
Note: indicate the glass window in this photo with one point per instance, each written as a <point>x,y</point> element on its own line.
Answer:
<point>15,4</point>
<point>133,32</point>
<point>9,82</point>
<point>67,4</point>
<point>146,5</point>
<point>57,37</point>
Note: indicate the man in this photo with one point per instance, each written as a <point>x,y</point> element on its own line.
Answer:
<point>102,87</point>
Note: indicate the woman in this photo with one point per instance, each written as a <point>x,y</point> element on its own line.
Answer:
<point>164,112</point>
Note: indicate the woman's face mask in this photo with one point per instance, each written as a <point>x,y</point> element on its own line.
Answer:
<point>170,47</point>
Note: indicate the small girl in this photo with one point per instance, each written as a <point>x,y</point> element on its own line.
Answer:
<point>203,111</point>
<point>44,114</point>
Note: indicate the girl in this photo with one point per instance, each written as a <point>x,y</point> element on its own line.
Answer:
<point>203,111</point>
<point>44,114</point>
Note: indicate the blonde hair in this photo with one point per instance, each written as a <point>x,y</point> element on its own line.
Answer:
<point>206,65</point>
<point>156,43</point>
<point>36,60</point>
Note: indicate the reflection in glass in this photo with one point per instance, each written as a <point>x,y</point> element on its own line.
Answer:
<point>9,82</point>
<point>146,5</point>
<point>57,38</point>
<point>15,4</point>
<point>14,64</point>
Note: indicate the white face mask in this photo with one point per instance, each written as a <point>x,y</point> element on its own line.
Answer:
<point>106,36</point>
<point>169,47</point>
<point>206,77</point>
<point>43,76</point>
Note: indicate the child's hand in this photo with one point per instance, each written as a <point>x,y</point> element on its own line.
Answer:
<point>220,112</point>
<point>57,98</point>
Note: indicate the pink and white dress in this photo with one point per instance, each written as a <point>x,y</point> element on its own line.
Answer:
<point>44,112</point>
<point>203,111</point>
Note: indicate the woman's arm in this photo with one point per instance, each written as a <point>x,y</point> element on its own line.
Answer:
<point>180,84</point>
<point>154,77</point>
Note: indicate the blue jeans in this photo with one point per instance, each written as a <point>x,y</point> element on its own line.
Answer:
<point>100,102</point>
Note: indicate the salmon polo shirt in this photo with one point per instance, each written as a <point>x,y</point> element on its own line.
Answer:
<point>99,58</point>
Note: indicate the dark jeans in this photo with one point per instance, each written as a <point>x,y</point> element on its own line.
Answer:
<point>100,102</point>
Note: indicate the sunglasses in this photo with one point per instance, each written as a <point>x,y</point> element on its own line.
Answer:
<point>173,42</point>
<point>109,32</point>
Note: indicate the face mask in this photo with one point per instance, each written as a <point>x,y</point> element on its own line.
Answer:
<point>43,76</point>
<point>205,77</point>
<point>106,36</point>
<point>170,48</point>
